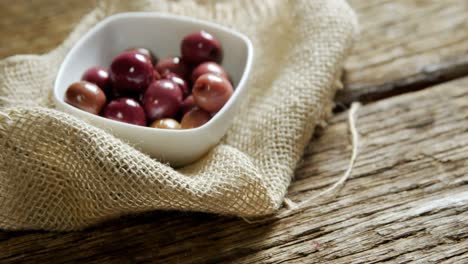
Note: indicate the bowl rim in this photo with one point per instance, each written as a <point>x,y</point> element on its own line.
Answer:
<point>185,19</point>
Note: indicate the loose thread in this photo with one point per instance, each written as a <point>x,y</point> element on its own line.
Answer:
<point>294,208</point>
<point>290,204</point>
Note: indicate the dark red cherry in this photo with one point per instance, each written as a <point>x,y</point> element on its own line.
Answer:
<point>187,104</point>
<point>126,110</point>
<point>211,92</point>
<point>100,77</point>
<point>131,72</point>
<point>200,47</point>
<point>162,99</point>
<point>178,80</point>
<point>208,67</point>
<point>156,75</point>
<point>172,64</point>
<point>147,53</point>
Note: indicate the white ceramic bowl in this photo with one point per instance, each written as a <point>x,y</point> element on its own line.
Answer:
<point>162,34</point>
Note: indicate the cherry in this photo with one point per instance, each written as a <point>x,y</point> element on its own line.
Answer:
<point>208,67</point>
<point>162,99</point>
<point>211,92</point>
<point>131,72</point>
<point>86,96</point>
<point>126,110</point>
<point>187,104</point>
<point>195,118</point>
<point>100,77</point>
<point>145,52</point>
<point>172,64</point>
<point>166,123</point>
<point>201,46</point>
<point>178,80</point>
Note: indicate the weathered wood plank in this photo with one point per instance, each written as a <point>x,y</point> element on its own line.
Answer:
<point>407,201</point>
<point>38,26</point>
<point>406,45</point>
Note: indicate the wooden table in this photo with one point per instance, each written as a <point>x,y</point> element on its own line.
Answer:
<point>407,199</point>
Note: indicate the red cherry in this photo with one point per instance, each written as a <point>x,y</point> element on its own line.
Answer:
<point>178,80</point>
<point>162,99</point>
<point>211,92</point>
<point>145,52</point>
<point>187,104</point>
<point>131,72</point>
<point>85,96</point>
<point>208,67</point>
<point>126,110</point>
<point>172,64</point>
<point>200,47</point>
<point>100,77</point>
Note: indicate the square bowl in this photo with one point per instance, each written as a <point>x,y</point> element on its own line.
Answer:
<point>160,33</point>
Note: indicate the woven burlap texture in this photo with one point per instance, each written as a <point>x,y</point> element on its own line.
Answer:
<point>60,173</point>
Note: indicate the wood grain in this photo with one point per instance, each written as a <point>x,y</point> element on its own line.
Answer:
<point>406,45</point>
<point>38,26</point>
<point>407,201</point>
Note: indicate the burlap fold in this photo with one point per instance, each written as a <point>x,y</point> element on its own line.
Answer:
<point>60,173</point>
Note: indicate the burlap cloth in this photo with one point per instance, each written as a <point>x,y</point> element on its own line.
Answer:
<point>60,173</point>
